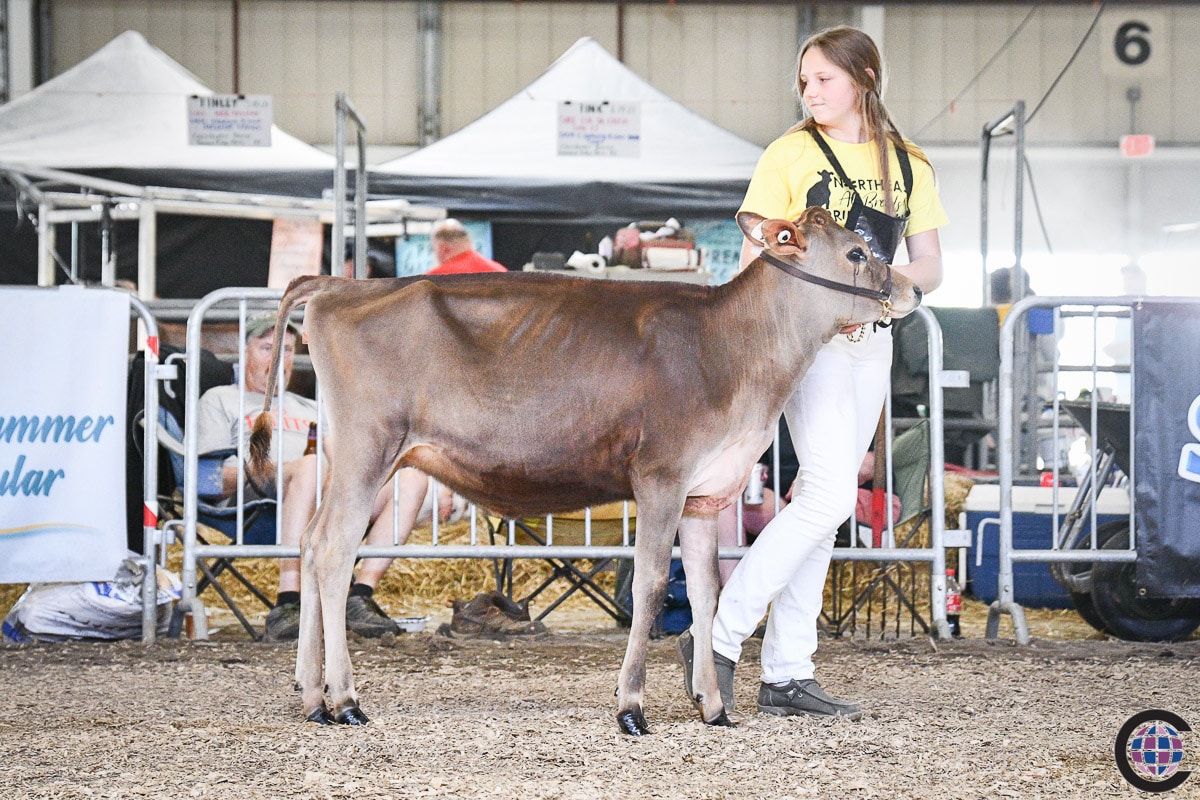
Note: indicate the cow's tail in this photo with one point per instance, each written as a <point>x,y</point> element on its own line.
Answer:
<point>298,292</point>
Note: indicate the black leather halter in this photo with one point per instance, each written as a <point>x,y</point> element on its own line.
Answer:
<point>883,295</point>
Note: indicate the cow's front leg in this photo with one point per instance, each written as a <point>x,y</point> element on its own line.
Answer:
<point>698,544</point>
<point>658,520</point>
<point>309,650</point>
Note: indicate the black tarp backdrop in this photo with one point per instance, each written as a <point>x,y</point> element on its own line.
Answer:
<point>1166,357</point>
<point>593,203</point>
<point>195,255</point>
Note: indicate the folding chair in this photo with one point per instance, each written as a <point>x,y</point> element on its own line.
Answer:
<point>887,582</point>
<point>567,529</point>
<point>258,519</point>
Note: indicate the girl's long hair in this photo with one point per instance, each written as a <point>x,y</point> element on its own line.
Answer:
<point>854,52</point>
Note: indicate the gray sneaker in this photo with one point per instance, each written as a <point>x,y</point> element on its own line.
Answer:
<point>796,698</point>
<point>725,667</point>
<point>283,623</point>
<point>367,619</point>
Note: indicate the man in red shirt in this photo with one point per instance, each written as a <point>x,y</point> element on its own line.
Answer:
<point>455,253</point>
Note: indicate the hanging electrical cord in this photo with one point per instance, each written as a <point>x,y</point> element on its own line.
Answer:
<point>1053,85</point>
<point>1038,207</point>
<point>1067,66</point>
<point>971,83</point>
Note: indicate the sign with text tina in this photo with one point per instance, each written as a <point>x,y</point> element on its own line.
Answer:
<point>230,120</point>
<point>62,433</point>
<point>600,128</point>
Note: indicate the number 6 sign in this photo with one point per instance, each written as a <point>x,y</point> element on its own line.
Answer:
<point>1133,43</point>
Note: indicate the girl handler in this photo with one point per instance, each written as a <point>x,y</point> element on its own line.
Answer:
<point>847,156</point>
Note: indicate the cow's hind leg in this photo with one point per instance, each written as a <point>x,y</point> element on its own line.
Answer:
<point>333,546</point>
<point>698,545</point>
<point>309,651</point>
<point>658,520</point>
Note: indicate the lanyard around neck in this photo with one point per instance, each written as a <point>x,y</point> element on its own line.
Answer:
<point>901,156</point>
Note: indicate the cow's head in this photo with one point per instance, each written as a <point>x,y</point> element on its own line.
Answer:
<point>816,249</point>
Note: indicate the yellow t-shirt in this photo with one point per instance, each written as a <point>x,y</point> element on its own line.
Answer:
<point>793,174</point>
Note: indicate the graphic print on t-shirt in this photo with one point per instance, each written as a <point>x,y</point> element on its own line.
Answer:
<point>829,191</point>
<point>818,195</point>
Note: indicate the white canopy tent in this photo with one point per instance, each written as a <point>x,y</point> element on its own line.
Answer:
<point>125,108</point>
<point>509,163</point>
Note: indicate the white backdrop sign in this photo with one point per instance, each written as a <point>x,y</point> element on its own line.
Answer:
<point>62,434</point>
<point>600,128</point>
<point>230,120</point>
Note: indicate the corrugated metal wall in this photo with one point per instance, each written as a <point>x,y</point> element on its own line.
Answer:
<point>731,63</point>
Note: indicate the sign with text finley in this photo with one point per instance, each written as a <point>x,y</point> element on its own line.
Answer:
<point>230,120</point>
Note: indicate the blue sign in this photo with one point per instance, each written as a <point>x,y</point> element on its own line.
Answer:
<point>720,244</point>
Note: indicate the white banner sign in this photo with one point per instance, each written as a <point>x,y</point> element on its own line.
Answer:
<point>600,129</point>
<point>230,120</point>
<point>62,434</point>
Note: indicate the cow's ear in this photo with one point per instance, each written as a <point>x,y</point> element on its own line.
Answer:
<point>748,221</point>
<point>783,237</point>
<point>815,215</point>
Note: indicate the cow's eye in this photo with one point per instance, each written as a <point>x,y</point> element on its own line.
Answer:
<point>857,256</point>
<point>784,236</point>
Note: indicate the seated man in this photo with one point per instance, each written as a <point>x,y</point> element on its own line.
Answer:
<point>219,428</point>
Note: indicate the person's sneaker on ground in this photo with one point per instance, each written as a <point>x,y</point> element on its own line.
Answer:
<point>516,610</point>
<point>366,618</point>
<point>486,616</point>
<point>283,623</point>
<point>806,697</point>
<point>725,668</point>
<point>472,609</point>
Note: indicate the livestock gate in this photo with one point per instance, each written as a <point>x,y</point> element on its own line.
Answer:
<point>492,539</point>
<point>1127,567</point>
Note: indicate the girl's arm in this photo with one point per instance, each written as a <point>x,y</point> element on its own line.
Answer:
<point>924,265</point>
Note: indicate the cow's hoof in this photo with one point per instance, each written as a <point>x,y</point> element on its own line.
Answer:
<point>722,720</point>
<point>320,715</point>
<point>352,715</point>
<point>633,723</point>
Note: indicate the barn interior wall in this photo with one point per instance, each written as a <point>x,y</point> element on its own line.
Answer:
<point>733,63</point>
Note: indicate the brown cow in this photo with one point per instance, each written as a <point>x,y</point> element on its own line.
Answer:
<point>533,394</point>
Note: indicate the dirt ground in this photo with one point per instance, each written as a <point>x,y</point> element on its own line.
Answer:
<point>964,719</point>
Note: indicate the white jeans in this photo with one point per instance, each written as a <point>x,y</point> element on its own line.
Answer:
<point>832,418</point>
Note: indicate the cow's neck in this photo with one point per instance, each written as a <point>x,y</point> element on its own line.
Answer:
<point>781,314</point>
